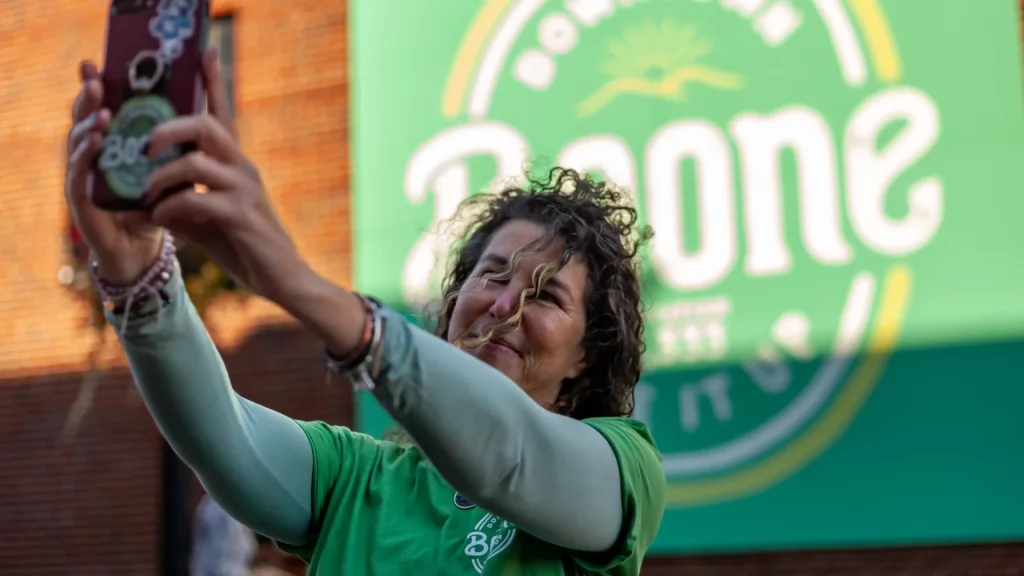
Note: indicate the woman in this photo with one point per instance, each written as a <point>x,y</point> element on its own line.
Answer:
<point>525,461</point>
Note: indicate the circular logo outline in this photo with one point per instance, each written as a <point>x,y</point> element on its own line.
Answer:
<point>128,181</point>
<point>472,81</point>
<point>462,503</point>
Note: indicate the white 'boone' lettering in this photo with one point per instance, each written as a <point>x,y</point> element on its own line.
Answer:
<point>707,146</point>
<point>605,154</point>
<point>869,174</point>
<point>477,545</point>
<point>761,140</point>
<point>439,167</point>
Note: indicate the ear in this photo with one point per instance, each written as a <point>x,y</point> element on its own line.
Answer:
<point>579,365</point>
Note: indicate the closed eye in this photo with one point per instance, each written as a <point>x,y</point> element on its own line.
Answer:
<point>492,276</point>
<point>550,297</point>
<point>496,276</point>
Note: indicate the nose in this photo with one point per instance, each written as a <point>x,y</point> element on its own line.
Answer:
<point>506,302</point>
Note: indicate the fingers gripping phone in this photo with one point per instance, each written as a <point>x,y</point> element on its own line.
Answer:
<point>152,73</point>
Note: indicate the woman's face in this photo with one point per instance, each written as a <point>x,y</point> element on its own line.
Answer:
<point>547,347</point>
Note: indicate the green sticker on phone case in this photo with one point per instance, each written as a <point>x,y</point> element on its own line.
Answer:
<point>123,161</point>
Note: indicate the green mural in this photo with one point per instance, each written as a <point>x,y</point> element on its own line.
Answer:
<point>836,331</point>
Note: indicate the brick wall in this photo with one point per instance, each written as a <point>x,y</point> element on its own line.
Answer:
<point>92,507</point>
<point>291,119</point>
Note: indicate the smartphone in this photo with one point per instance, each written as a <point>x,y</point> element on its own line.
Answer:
<point>152,73</point>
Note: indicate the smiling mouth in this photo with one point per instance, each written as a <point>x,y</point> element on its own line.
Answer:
<point>500,346</point>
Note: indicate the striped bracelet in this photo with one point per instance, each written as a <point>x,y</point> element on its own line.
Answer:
<point>128,299</point>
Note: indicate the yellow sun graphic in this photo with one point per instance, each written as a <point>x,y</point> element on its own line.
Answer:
<point>657,60</point>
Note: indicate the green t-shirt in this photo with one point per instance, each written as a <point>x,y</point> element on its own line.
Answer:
<point>379,508</point>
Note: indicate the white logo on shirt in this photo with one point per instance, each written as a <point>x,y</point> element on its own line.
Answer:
<point>490,537</point>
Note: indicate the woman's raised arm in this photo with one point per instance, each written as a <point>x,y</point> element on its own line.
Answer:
<point>255,462</point>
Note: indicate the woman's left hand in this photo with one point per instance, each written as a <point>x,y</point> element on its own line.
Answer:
<point>234,220</point>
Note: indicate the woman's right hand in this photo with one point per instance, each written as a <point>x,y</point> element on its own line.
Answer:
<point>124,244</point>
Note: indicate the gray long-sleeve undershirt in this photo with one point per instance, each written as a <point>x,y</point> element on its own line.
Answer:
<point>520,461</point>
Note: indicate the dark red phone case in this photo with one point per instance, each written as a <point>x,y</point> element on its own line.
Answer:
<point>139,33</point>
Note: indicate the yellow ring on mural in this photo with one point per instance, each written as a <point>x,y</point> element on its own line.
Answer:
<point>870,15</point>
<point>469,52</point>
<point>813,442</point>
<point>888,66</point>
<point>885,56</point>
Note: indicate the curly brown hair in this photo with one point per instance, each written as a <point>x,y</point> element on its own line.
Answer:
<point>595,221</point>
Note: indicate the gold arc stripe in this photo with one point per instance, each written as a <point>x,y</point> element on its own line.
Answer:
<point>888,66</point>
<point>828,428</point>
<point>869,14</point>
<point>885,56</point>
<point>468,54</point>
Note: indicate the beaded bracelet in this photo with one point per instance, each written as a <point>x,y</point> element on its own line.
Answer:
<point>362,368</point>
<point>127,300</point>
